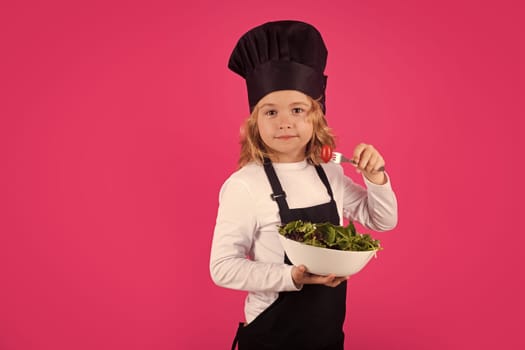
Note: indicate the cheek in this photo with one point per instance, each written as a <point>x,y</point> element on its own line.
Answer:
<point>308,128</point>
<point>264,130</point>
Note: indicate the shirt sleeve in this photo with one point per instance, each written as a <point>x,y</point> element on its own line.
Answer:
<point>375,206</point>
<point>233,237</point>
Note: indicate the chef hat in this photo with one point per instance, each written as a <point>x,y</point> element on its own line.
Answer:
<point>281,55</point>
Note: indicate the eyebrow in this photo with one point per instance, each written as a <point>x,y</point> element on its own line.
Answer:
<point>291,104</point>
<point>267,105</point>
<point>300,103</point>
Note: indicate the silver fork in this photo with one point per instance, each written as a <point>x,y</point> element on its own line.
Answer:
<point>338,157</point>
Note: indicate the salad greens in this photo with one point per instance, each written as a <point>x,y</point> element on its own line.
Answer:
<point>327,235</point>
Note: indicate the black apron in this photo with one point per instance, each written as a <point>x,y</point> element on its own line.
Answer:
<point>309,319</point>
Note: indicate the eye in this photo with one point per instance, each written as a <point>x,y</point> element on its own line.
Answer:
<point>270,113</point>
<point>297,110</point>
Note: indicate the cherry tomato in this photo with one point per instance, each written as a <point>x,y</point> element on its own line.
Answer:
<point>326,153</point>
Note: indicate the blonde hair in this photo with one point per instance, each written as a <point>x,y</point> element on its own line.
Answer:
<point>253,149</point>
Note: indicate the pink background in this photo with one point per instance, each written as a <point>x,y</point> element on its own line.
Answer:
<point>120,120</point>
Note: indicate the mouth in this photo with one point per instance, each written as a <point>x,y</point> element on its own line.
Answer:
<point>285,137</point>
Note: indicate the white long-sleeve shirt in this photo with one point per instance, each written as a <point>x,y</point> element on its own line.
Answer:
<point>246,253</point>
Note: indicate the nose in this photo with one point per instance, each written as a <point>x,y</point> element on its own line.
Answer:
<point>285,122</point>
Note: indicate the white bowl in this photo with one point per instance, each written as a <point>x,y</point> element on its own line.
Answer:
<point>324,261</point>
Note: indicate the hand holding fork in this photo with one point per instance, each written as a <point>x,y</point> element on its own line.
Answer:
<point>366,159</point>
<point>338,158</point>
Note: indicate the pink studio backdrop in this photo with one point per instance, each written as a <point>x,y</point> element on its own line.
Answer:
<point>120,120</point>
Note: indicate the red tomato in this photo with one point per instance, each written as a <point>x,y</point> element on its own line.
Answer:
<point>326,153</point>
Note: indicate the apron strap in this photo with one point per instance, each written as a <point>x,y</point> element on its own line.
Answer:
<point>236,339</point>
<point>324,179</point>
<point>278,194</point>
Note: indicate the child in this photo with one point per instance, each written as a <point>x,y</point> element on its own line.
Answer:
<point>281,179</point>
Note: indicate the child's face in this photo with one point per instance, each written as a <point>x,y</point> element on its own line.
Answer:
<point>284,125</point>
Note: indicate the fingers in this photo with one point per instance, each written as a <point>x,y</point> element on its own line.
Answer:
<point>336,281</point>
<point>367,158</point>
<point>301,276</point>
<point>317,279</point>
<point>332,280</point>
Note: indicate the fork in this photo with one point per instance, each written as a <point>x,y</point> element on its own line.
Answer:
<point>338,157</point>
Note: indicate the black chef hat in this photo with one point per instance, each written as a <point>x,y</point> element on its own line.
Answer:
<point>281,55</point>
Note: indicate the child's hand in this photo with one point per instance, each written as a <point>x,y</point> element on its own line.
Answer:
<point>300,276</point>
<point>367,160</point>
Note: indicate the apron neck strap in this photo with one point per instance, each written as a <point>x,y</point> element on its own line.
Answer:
<point>278,194</point>
<point>324,179</point>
